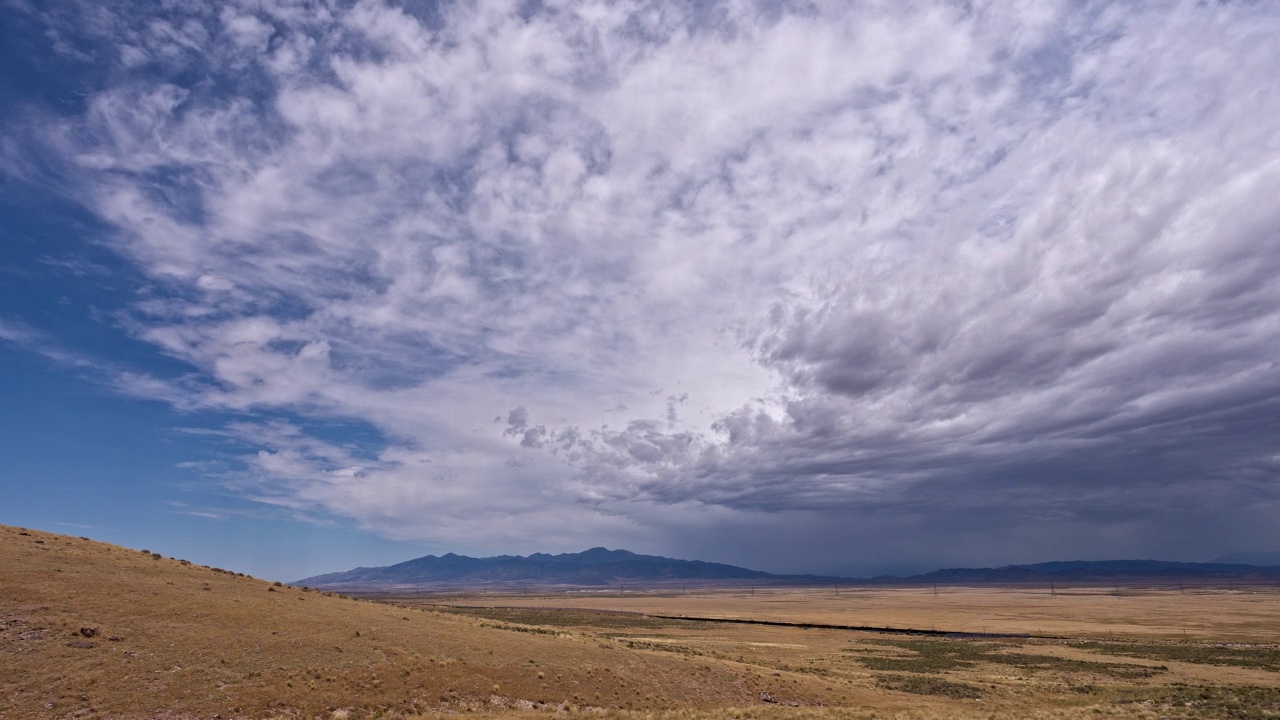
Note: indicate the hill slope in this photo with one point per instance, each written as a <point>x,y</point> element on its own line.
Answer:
<point>164,638</point>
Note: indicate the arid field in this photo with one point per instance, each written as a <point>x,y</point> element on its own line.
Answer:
<point>1248,614</point>
<point>89,630</point>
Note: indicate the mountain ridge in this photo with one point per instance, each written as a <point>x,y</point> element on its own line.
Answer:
<point>1250,557</point>
<point>593,567</point>
<point>1098,570</point>
<point>601,566</point>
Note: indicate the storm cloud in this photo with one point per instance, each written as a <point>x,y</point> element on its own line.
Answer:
<point>818,286</point>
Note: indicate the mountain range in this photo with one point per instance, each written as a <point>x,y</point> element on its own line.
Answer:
<point>1093,571</point>
<point>1250,558</point>
<point>595,567</point>
<point>600,567</point>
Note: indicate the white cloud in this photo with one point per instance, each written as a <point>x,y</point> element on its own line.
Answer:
<point>886,255</point>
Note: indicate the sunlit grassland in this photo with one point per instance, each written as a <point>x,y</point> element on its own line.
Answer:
<point>1249,613</point>
<point>1134,675</point>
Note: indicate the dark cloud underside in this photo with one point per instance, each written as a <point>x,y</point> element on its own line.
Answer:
<point>745,280</point>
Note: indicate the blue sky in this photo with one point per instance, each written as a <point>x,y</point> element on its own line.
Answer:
<point>291,287</point>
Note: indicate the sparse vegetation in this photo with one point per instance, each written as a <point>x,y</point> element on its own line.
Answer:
<point>565,617</point>
<point>1265,656</point>
<point>934,656</point>
<point>1242,702</point>
<point>929,686</point>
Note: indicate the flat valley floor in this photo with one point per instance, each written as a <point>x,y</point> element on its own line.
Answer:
<point>1090,651</point>
<point>1250,614</point>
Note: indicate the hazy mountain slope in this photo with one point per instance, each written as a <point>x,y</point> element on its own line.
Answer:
<point>1255,557</point>
<point>597,566</point>
<point>1099,570</point>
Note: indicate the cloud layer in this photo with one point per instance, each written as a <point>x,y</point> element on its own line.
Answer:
<point>738,277</point>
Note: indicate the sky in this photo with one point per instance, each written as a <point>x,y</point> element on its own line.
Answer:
<point>837,287</point>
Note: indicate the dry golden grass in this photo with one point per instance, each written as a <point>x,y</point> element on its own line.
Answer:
<point>1251,614</point>
<point>175,640</point>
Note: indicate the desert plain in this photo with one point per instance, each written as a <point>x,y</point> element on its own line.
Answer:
<point>91,630</point>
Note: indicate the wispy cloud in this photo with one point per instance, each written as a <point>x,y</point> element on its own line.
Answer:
<point>79,526</point>
<point>914,259</point>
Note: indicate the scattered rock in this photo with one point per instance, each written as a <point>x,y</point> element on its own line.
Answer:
<point>767,697</point>
<point>88,631</point>
<point>115,638</point>
<point>80,644</point>
<point>33,635</point>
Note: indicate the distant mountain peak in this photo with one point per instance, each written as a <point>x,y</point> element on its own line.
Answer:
<point>594,567</point>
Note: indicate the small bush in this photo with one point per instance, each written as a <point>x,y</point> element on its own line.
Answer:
<point>925,685</point>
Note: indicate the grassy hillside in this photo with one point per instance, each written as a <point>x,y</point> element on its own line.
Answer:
<point>168,639</point>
